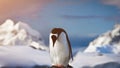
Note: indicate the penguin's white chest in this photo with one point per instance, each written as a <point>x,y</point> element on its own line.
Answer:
<point>59,53</point>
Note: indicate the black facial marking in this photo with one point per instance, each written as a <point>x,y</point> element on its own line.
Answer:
<point>54,38</point>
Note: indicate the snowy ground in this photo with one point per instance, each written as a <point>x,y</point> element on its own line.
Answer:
<point>25,56</point>
<point>96,60</point>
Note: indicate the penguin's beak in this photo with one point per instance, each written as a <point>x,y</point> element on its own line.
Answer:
<point>54,38</point>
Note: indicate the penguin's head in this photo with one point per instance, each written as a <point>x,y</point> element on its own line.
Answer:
<point>55,33</point>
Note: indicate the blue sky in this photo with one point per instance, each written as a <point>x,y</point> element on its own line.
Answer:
<point>78,17</point>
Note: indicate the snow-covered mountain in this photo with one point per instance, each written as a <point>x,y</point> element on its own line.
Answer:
<point>103,52</point>
<point>16,42</point>
<point>108,42</point>
<point>19,33</point>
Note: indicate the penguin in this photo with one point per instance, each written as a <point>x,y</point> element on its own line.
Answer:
<point>60,48</point>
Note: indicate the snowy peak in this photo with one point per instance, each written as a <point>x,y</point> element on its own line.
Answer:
<point>33,33</point>
<point>8,22</point>
<point>117,26</point>
<point>115,34</point>
<point>19,33</point>
<point>109,38</point>
<point>107,42</point>
<point>7,26</point>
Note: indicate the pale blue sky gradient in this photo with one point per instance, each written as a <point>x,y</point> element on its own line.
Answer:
<point>87,18</point>
<point>79,18</point>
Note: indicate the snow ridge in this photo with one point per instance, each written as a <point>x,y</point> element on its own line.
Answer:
<point>108,42</point>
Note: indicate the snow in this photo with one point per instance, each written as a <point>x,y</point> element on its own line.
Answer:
<point>16,42</point>
<point>22,56</point>
<point>25,56</point>
<point>106,43</point>
<point>103,52</point>
<point>90,60</point>
<point>35,34</point>
<point>20,33</point>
